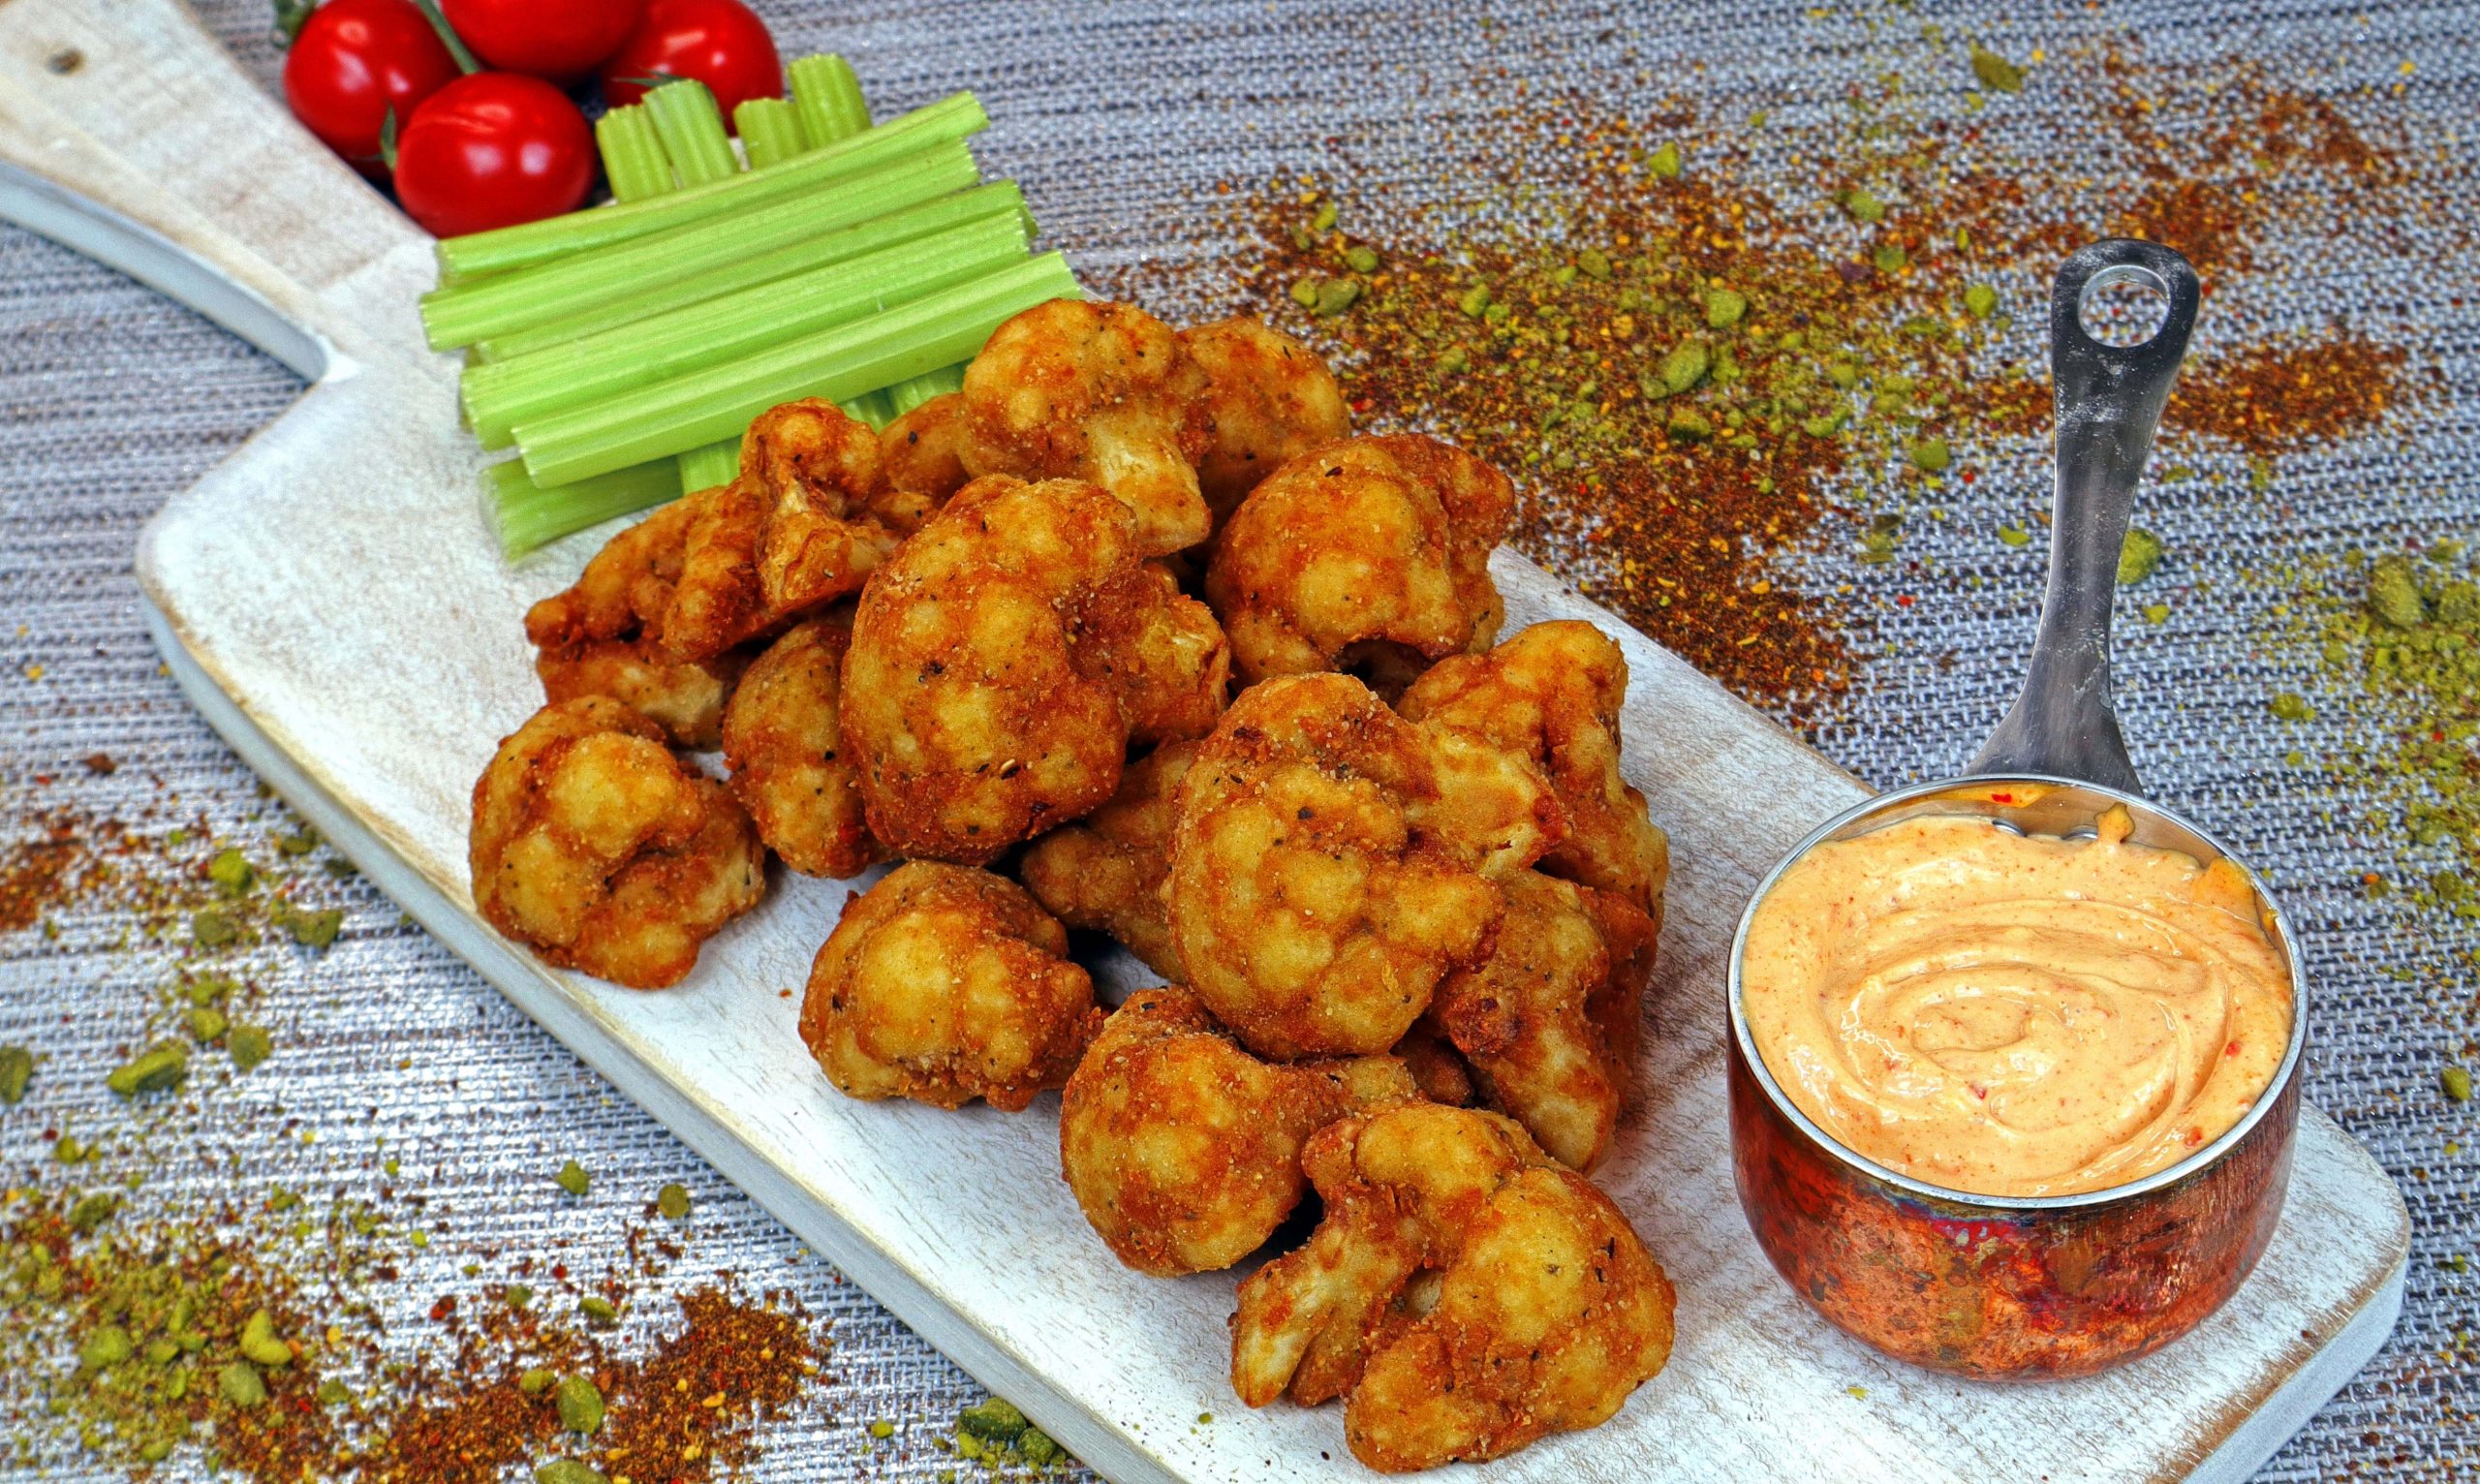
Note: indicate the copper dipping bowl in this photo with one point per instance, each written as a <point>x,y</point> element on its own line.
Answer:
<point>1998,1289</point>
<point>2063,1285</point>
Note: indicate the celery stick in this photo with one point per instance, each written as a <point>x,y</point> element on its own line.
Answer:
<point>480,253</point>
<point>873,408</point>
<point>498,396</point>
<point>839,364</point>
<point>632,154</point>
<point>529,516</point>
<point>707,466</point>
<point>550,291</point>
<point>1000,198</point>
<point>914,391</point>
<point>770,130</point>
<point>828,97</point>
<point>692,129</point>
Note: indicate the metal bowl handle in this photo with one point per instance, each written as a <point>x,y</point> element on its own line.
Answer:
<point>2108,399</point>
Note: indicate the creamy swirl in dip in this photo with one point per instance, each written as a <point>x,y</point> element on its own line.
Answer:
<point>2015,1015</point>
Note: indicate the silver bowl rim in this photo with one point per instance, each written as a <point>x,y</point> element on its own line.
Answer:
<point>2195,1163</point>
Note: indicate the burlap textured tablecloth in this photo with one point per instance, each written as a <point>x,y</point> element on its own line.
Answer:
<point>1116,118</point>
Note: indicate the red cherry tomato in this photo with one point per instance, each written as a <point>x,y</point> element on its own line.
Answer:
<point>560,40</point>
<point>492,150</point>
<point>720,42</point>
<point>354,63</point>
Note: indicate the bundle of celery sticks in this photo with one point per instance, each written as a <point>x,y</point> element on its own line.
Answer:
<point>622,349</point>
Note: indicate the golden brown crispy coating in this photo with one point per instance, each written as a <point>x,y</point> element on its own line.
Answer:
<point>798,529</point>
<point>624,590</point>
<point>783,740</point>
<point>1437,1068</point>
<point>1471,1294</point>
<point>1548,1021</point>
<point>944,985</point>
<point>989,695</point>
<point>1101,392</point>
<point>1159,650</point>
<point>1370,555</point>
<point>1268,399</point>
<point>685,698</point>
<point>596,847</point>
<point>1331,862</point>
<point>923,452</point>
<point>1183,1149</point>
<point>1553,692</point>
<point>1106,870</point>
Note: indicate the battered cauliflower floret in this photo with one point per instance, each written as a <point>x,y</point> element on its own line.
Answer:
<point>685,699</point>
<point>784,743</point>
<point>1101,392</point>
<point>1268,399</point>
<point>624,590</point>
<point>944,985</point>
<point>924,453</point>
<point>1002,662</point>
<point>1183,1149</point>
<point>1370,555</point>
<point>798,529</point>
<point>1331,862</point>
<point>1469,1294</point>
<point>1106,870</point>
<point>593,845</point>
<point>1159,650</point>
<point>1548,1022</point>
<point>596,638</point>
<point>1553,692</point>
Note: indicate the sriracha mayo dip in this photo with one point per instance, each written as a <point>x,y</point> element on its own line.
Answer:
<point>2015,1015</point>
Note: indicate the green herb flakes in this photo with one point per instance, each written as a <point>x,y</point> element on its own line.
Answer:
<point>260,1342</point>
<point>248,1046</point>
<point>16,1071</point>
<point>2291,706</point>
<point>93,1211</point>
<point>537,1381</point>
<point>1996,73</point>
<point>574,1179</point>
<point>211,928</point>
<point>205,1022</point>
<point>567,1470</point>
<point>1723,308</point>
<point>2457,1083</point>
<point>2014,536</point>
<point>2138,555</point>
<point>2394,597</point>
<point>109,1345</point>
<point>1361,260</point>
<point>599,1311</point>
<point>158,1071</point>
<point>672,1200</point>
<point>232,873</point>
<point>1862,205</point>
<point>1980,301</point>
<point>580,1404</point>
<point>1664,161</point>
<point>516,1295</point>
<point>241,1385</point>
<point>1685,366</point>
<point>1929,454</point>
<point>310,928</point>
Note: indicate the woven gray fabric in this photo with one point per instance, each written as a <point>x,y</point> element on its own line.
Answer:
<point>1118,120</point>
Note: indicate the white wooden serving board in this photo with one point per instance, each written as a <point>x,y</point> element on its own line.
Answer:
<point>332,599</point>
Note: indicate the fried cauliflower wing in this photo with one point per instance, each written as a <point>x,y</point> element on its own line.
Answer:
<point>1001,662</point>
<point>784,742</point>
<point>1548,1021</point>
<point>1370,555</point>
<point>1331,862</point>
<point>1268,399</point>
<point>1106,870</point>
<point>624,590</point>
<point>1101,392</point>
<point>1553,693</point>
<point>943,984</point>
<point>1471,1295</point>
<point>685,699</point>
<point>1159,650</point>
<point>923,452</point>
<point>596,638</point>
<point>798,529</point>
<point>594,846</point>
<point>1183,1149</point>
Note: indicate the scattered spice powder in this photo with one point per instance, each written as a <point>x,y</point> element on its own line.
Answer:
<point>2271,400</point>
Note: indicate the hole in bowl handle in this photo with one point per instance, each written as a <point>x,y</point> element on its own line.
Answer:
<point>2108,399</point>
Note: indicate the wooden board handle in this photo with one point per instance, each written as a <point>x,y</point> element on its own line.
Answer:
<point>128,132</point>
